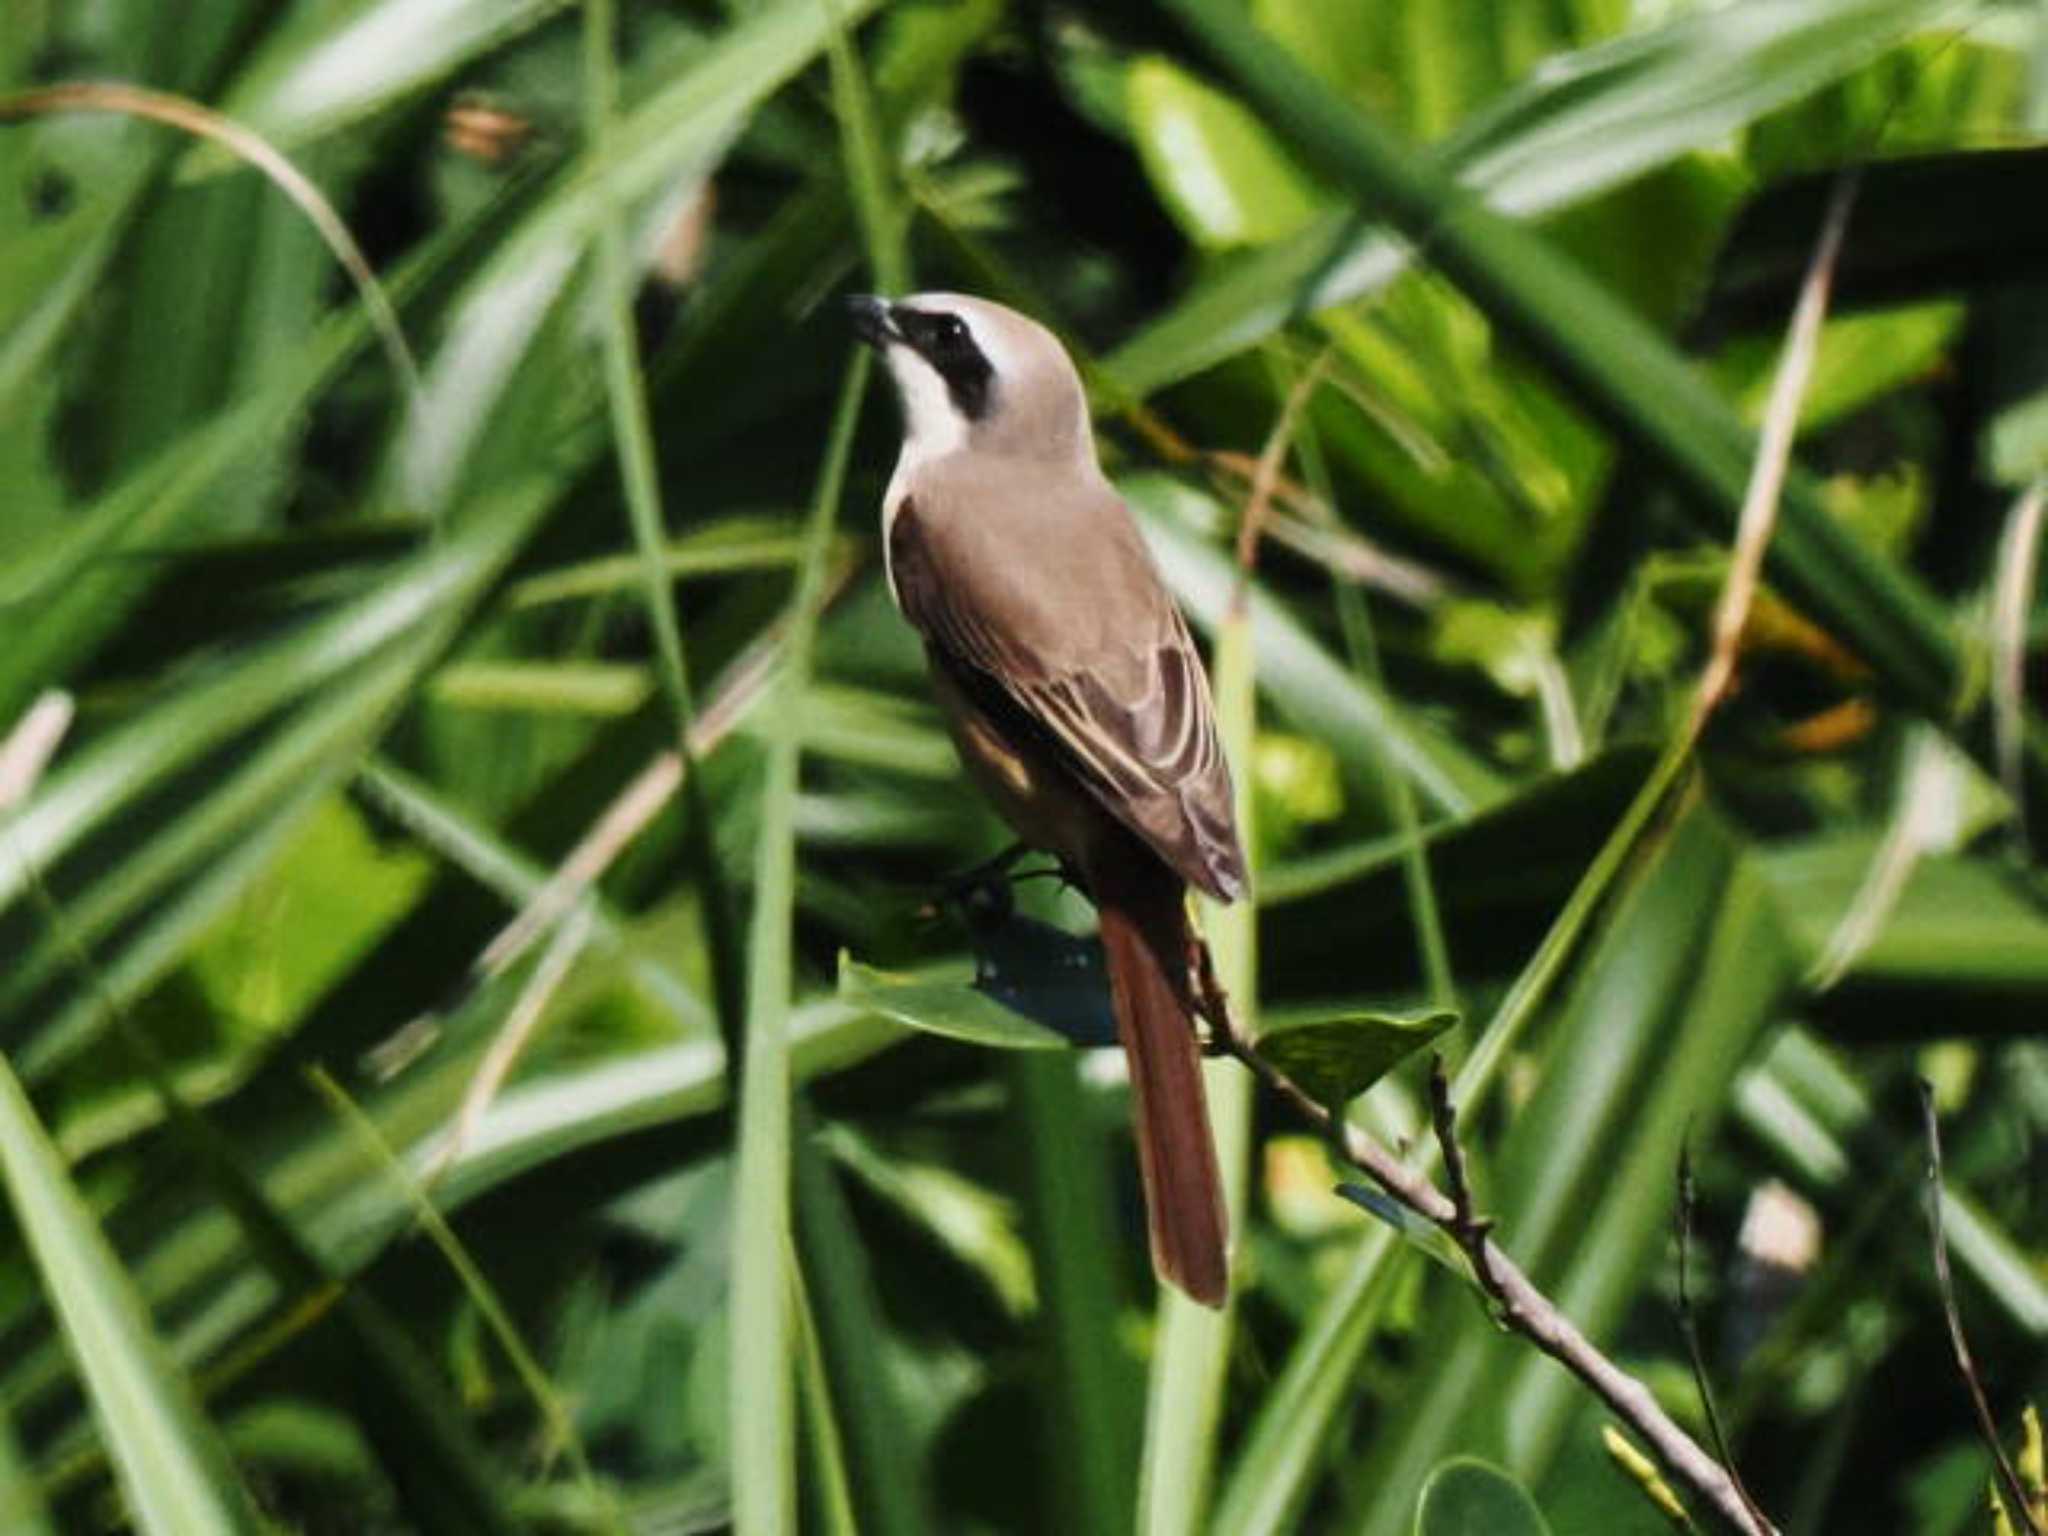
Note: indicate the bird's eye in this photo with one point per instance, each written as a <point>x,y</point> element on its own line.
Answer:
<point>951,330</point>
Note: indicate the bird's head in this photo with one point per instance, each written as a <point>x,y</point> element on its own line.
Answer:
<point>974,375</point>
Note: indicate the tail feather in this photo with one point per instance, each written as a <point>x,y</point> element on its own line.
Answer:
<point>1145,940</point>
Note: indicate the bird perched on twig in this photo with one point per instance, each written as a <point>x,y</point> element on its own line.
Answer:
<point>1075,697</point>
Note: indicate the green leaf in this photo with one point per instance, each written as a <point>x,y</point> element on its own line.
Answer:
<point>1337,1058</point>
<point>1216,168</point>
<point>955,1009</point>
<point>173,1469</point>
<point>1425,1237</point>
<point>2017,444</point>
<point>676,135</point>
<point>1630,375</point>
<point>1469,1497</point>
<point>1861,358</point>
<point>885,1478</point>
<point>1586,123</point>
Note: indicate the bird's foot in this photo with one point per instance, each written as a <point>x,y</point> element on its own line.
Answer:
<point>984,893</point>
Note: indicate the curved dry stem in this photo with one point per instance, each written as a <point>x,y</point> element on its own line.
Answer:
<point>1773,455</point>
<point>253,149</point>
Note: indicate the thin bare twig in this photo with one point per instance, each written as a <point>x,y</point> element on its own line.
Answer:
<point>569,884</point>
<point>1773,455</point>
<point>1267,471</point>
<point>1688,1325</point>
<point>1469,1229</point>
<point>512,1038</point>
<point>1521,1306</point>
<point>640,801</point>
<point>1966,1365</point>
<point>1298,519</point>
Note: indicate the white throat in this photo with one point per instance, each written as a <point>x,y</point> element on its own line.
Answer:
<point>932,428</point>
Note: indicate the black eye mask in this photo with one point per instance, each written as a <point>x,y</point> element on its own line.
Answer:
<point>944,341</point>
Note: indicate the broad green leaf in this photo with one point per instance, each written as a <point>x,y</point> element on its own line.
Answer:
<point>885,1474</point>
<point>331,895</point>
<point>1960,925</point>
<point>1337,1058</point>
<point>1215,167</point>
<point>1469,1497</point>
<point>955,1009</point>
<point>1348,45</point>
<point>173,1470</point>
<point>1090,1390</point>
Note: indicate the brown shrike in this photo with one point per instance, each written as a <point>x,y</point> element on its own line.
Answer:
<point>1074,695</point>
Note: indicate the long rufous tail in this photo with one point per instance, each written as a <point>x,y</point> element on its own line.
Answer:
<point>1146,941</point>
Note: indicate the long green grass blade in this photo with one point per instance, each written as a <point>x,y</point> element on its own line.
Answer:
<point>763,1416</point>
<point>174,1472</point>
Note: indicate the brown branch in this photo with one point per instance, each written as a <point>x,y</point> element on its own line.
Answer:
<point>1966,1365</point>
<point>1302,522</point>
<point>1468,1228</point>
<point>1266,472</point>
<point>1773,456</point>
<point>1522,1308</point>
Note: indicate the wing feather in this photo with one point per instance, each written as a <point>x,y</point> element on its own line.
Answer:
<point>1069,627</point>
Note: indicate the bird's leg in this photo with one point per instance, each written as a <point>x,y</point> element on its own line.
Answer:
<point>983,892</point>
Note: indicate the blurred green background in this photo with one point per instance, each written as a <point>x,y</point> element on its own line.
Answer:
<point>372,675</point>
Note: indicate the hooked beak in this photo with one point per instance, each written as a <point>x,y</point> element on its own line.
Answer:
<point>872,321</point>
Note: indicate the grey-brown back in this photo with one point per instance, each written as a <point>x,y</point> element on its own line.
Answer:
<point>1037,580</point>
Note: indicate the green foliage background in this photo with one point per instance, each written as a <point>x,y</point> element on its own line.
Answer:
<point>358,664</point>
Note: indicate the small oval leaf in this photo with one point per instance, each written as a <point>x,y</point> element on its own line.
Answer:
<point>1469,1497</point>
<point>1338,1057</point>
